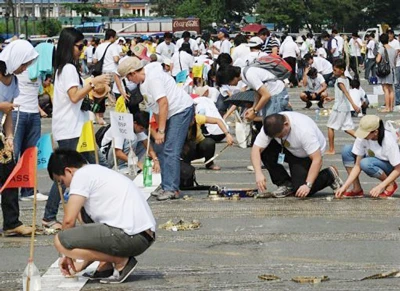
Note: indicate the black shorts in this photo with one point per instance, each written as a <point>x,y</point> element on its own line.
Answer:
<point>105,239</point>
<point>308,93</point>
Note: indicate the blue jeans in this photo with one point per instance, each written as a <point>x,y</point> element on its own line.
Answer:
<point>170,151</point>
<point>27,135</point>
<point>277,103</point>
<point>51,210</point>
<point>372,166</point>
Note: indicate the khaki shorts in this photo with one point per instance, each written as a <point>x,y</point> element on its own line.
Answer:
<point>105,239</point>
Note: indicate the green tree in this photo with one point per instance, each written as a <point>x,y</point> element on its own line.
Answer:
<point>49,26</point>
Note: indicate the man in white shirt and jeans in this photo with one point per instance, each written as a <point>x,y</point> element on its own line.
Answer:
<point>394,43</point>
<point>293,138</point>
<point>119,223</point>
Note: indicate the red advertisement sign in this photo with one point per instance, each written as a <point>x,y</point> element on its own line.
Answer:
<point>190,24</point>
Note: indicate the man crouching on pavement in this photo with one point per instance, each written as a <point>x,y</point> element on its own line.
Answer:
<point>122,223</point>
<point>293,138</point>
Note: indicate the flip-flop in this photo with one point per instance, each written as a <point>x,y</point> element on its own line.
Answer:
<point>214,168</point>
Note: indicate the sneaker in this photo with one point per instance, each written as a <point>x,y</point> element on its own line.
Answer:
<point>19,230</point>
<point>39,197</point>
<point>157,191</point>
<point>122,275</point>
<point>337,182</point>
<point>168,195</point>
<point>99,275</point>
<point>283,191</point>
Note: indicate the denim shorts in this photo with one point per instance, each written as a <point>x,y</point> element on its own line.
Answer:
<point>105,239</point>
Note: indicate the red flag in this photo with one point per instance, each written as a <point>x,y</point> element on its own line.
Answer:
<point>24,173</point>
<point>153,122</point>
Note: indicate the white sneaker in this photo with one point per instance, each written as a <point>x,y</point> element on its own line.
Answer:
<point>39,197</point>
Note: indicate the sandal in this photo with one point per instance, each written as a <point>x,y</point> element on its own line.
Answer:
<point>213,167</point>
<point>54,224</point>
<point>98,275</point>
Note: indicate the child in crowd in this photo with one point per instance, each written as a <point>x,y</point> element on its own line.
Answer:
<point>359,98</point>
<point>341,114</point>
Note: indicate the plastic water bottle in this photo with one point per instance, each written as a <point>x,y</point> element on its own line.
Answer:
<point>317,114</point>
<point>147,173</point>
<point>132,163</point>
<point>32,275</point>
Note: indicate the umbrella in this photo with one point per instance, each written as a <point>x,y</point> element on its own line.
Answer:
<point>242,98</point>
<point>254,27</point>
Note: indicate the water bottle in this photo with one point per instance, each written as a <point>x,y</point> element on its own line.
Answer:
<point>132,163</point>
<point>147,173</point>
<point>31,276</point>
<point>317,114</point>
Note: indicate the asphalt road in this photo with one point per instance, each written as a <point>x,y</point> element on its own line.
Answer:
<point>345,240</point>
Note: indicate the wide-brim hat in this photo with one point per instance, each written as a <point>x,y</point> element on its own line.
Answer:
<point>100,91</point>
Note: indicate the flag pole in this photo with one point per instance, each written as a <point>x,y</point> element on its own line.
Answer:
<point>114,154</point>
<point>96,154</point>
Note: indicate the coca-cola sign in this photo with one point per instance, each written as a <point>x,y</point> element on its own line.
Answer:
<point>181,24</point>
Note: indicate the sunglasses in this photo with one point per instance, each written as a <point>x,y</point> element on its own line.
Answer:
<point>80,46</point>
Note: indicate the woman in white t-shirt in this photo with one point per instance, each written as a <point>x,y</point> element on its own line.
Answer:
<point>376,152</point>
<point>68,113</point>
<point>14,60</point>
<point>182,60</point>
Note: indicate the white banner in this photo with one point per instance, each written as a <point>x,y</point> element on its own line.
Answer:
<point>121,125</point>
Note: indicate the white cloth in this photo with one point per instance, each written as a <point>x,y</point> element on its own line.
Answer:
<point>321,52</point>
<point>225,47</point>
<point>17,53</point>
<point>314,85</point>
<point>89,54</point>
<point>205,106</point>
<point>341,101</point>
<point>370,48</point>
<point>182,61</point>
<point>240,52</point>
<point>28,93</point>
<point>396,45</point>
<point>68,118</point>
<point>159,84</point>
<point>303,49</point>
<point>119,141</point>
<point>251,57</point>
<point>323,66</point>
<point>112,199</point>
<point>289,48</point>
<point>301,126</point>
<point>357,96</point>
<point>340,43</point>
<point>165,50</point>
<point>255,77</point>
<point>389,151</point>
<point>109,65</point>
<point>193,45</point>
<point>213,94</point>
<point>340,120</point>
<point>355,47</point>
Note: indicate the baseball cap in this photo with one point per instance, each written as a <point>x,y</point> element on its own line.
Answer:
<point>129,65</point>
<point>367,124</point>
<point>224,31</point>
<point>255,41</point>
<point>167,62</point>
<point>140,50</point>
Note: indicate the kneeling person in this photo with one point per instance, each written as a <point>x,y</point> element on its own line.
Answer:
<point>315,88</point>
<point>293,138</point>
<point>123,224</point>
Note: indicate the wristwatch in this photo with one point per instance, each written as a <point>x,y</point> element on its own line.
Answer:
<point>161,131</point>
<point>255,111</point>
<point>309,185</point>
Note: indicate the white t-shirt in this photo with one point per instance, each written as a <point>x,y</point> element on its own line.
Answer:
<point>321,52</point>
<point>119,141</point>
<point>340,43</point>
<point>355,47</point>
<point>159,84</point>
<point>205,106</point>
<point>8,93</point>
<point>254,79</point>
<point>301,126</point>
<point>112,199</point>
<point>89,54</point>
<point>68,118</point>
<point>396,45</point>
<point>335,46</point>
<point>183,59</point>
<point>213,94</point>
<point>357,95</point>
<point>342,104</point>
<point>370,48</point>
<point>193,45</point>
<point>389,151</point>
<point>240,52</point>
<point>289,49</point>
<point>323,66</point>
<point>113,51</point>
<point>314,85</point>
<point>225,47</point>
<point>249,59</point>
<point>165,50</point>
<point>28,93</point>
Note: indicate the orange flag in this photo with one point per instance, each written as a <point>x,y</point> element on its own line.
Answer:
<point>24,173</point>
<point>153,122</point>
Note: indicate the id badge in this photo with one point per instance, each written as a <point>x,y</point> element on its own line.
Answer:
<point>281,158</point>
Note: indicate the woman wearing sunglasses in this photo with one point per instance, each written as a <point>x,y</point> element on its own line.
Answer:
<point>376,152</point>
<point>14,60</point>
<point>69,110</point>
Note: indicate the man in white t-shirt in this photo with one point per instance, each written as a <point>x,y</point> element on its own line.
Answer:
<point>370,65</point>
<point>339,41</point>
<point>173,111</point>
<point>223,36</point>
<point>355,45</point>
<point>315,88</point>
<point>273,96</point>
<point>323,66</point>
<point>112,56</point>
<point>119,223</point>
<point>282,139</point>
<point>394,43</point>
<point>166,48</point>
<point>186,38</point>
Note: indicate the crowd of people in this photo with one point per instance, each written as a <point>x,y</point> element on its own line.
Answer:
<point>190,117</point>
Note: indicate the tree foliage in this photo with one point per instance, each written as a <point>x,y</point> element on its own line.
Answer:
<point>49,26</point>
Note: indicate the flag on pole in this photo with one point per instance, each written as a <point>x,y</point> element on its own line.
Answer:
<point>197,71</point>
<point>45,148</point>
<point>24,171</point>
<point>152,121</point>
<point>87,139</point>
<point>120,105</point>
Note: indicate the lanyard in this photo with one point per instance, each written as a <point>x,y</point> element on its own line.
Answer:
<point>284,141</point>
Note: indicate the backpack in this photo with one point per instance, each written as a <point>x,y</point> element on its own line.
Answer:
<point>188,176</point>
<point>100,134</point>
<point>383,67</point>
<point>273,64</point>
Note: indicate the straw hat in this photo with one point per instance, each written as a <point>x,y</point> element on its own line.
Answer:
<point>100,91</point>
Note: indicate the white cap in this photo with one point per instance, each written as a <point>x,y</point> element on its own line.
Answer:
<point>255,41</point>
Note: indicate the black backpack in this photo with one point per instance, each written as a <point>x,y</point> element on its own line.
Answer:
<point>188,176</point>
<point>98,67</point>
<point>383,67</point>
<point>100,134</point>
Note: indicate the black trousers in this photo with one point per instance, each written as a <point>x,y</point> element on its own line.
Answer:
<point>292,62</point>
<point>354,63</point>
<point>298,167</point>
<point>204,149</point>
